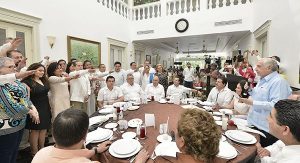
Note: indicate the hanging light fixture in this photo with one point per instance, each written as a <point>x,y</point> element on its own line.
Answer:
<point>204,49</point>
<point>177,50</point>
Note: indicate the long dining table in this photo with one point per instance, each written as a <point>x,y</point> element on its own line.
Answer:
<point>162,112</point>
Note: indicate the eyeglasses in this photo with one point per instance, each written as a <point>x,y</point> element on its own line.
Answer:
<point>11,66</point>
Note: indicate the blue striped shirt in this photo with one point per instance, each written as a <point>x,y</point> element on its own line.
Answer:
<point>267,92</point>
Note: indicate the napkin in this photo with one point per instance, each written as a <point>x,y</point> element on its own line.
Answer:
<point>149,120</point>
<point>247,129</point>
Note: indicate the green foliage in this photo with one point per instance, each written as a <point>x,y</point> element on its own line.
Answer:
<point>85,51</point>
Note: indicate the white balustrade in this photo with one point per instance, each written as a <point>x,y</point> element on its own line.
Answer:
<point>168,7</point>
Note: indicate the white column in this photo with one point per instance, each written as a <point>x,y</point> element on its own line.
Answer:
<point>179,7</point>
<point>153,12</point>
<point>144,15</point>
<point>184,6</point>
<point>191,5</point>
<point>163,8</point>
<point>231,2</point>
<point>148,13</point>
<point>104,3</point>
<point>217,3</point>
<point>134,15</point>
<point>197,5</point>
<point>239,2</point>
<point>130,10</point>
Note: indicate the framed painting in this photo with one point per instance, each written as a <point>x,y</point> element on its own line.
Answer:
<point>148,58</point>
<point>83,49</point>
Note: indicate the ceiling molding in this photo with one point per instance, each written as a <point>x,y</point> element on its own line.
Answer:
<point>262,30</point>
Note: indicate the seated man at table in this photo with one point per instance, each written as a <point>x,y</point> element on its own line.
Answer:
<point>193,144</point>
<point>131,90</point>
<point>69,130</point>
<point>175,88</point>
<point>109,94</point>
<point>155,89</point>
<point>220,94</point>
<point>284,124</point>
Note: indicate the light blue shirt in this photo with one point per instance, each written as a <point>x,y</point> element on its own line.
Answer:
<point>267,92</point>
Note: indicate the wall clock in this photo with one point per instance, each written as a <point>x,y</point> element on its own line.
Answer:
<point>181,25</point>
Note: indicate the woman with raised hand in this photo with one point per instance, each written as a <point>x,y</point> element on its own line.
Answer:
<point>38,87</point>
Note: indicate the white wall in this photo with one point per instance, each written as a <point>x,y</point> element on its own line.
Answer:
<point>78,18</point>
<point>200,23</point>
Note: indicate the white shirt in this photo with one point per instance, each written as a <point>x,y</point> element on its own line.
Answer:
<point>180,89</point>
<point>279,153</point>
<point>104,76</point>
<point>79,88</point>
<point>221,97</point>
<point>136,75</point>
<point>107,95</point>
<point>188,74</point>
<point>145,80</point>
<point>120,77</point>
<point>131,92</point>
<point>157,91</point>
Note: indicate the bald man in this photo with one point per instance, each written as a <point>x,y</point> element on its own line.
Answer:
<point>155,89</point>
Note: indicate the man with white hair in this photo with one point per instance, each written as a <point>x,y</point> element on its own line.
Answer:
<point>131,90</point>
<point>155,89</point>
<point>270,89</point>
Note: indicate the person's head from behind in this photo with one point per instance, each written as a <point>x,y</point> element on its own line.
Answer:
<point>117,66</point>
<point>155,80</point>
<point>70,128</point>
<point>78,65</point>
<point>266,66</point>
<point>16,55</point>
<point>133,66</point>
<point>130,79</point>
<point>198,135</point>
<point>7,66</point>
<point>221,82</point>
<point>284,121</point>
<point>87,64</point>
<point>54,69</point>
<point>110,82</point>
<point>242,89</point>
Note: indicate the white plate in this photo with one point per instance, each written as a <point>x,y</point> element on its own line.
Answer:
<point>99,135</point>
<point>217,118</point>
<point>124,146</point>
<point>219,123</point>
<point>240,122</point>
<point>102,140</point>
<point>132,143</point>
<point>240,135</point>
<point>206,103</point>
<point>166,149</point>
<point>207,108</point>
<point>191,100</point>
<point>135,122</point>
<point>226,151</point>
<point>106,110</point>
<point>228,133</point>
<point>170,102</point>
<point>217,113</point>
<point>97,119</point>
<point>164,138</point>
<point>226,111</point>
<point>148,100</point>
<point>118,104</point>
<point>111,125</point>
<point>133,108</point>
<point>129,135</point>
<point>162,101</point>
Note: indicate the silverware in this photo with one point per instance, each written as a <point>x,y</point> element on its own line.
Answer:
<point>153,155</point>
